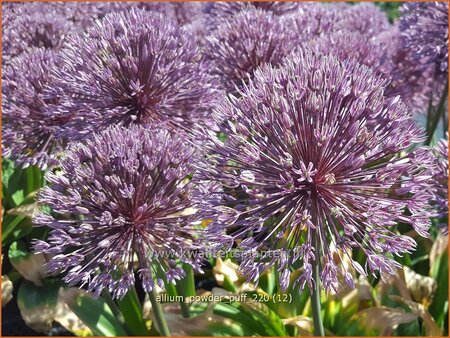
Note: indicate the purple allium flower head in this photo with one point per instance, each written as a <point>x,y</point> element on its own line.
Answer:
<point>29,128</point>
<point>121,202</point>
<point>315,152</point>
<point>409,78</point>
<point>222,11</point>
<point>385,55</point>
<point>353,45</point>
<point>312,20</point>
<point>186,12</point>
<point>364,18</point>
<point>424,27</point>
<point>32,25</point>
<point>244,42</point>
<point>440,180</point>
<point>182,12</point>
<point>84,14</point>
<point>133,67</point>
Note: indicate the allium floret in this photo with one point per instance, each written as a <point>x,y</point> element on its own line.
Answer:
<point>133,67</point>
<point>123,202</point>
<point>316,158</point>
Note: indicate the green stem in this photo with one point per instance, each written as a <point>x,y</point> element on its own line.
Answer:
<point>159,315</point>
<point>184,309</point>
<point>315,295</point>
<point>30,179</point>
<point>186,288</point>
<point>439,111</point>
<point>113,306</point>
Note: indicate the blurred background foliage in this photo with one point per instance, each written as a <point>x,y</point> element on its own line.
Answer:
<point>391,9</point>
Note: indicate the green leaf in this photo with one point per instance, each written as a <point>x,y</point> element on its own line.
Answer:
<point>439,306</point>
<point>262,321</point>
<point>7,172</point>
<point>17,197</point>
<point>96,315</point>
<point>19,183</point>
<point>409,329</point>
<point>38,304</point>
<point>186,289</point>
<point>268,281</point>
<point>220,330</point>
<point>296,305</point>
<point>132,312</point>
<point>15,227</point>
<point>236,314</point>
<point>228,284</point>
<point>269,319</point>
<point>30,266</point>
<point>34,180</point>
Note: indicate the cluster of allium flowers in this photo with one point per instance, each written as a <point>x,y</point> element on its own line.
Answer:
<point>424,27</point>
<point>133,67</point>
<point>29,128</point>
<point>315,158</point>
<point>244,42</point>
<point>32,25</point>
<point>123,202</point>
<point>440,180</point>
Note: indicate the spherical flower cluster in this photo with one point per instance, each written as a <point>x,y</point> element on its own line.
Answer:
<point>312,20</point>
<point>385,55</point>
<point>355,46</point>
<point>315,159</point>
<point>221,11</point>
<point>29,127</point>
<point>424,27</point>
<point>35,25</point>
<point>409,78</point>
<point>244,42</point>
<point>133,67</point>
<point>364,18</point>
<point>84,14</point>
<point>182,12</point>
<point>123,200</point>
